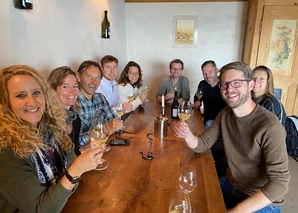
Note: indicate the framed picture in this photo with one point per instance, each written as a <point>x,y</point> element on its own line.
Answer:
<point>185,31</point>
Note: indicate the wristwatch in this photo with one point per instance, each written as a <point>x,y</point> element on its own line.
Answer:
<point>73,180</point>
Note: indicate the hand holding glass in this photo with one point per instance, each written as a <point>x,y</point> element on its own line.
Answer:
<point>99,135</point>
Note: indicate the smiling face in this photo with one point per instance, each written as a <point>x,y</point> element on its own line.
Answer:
<point>110,70</point>
<point>26,98</point>
<point>235,97</point>
<point>261,82</point>
<point>68,91</point>
<point>176,70</point>
<point>133,74</point>
<point>210,74</point>
<point>89,81</point>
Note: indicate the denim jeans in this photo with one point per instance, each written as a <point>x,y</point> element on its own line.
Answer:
<point>233,196</point>
<point>208,123</point>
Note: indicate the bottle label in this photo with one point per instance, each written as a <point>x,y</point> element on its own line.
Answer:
<point>175,113</point>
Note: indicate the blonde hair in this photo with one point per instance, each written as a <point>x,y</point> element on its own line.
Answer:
<point>19,134</point>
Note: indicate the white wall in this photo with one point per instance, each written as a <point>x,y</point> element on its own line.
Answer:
<point>221,28</point>
<point>66,32</point>
<point>60,32</point>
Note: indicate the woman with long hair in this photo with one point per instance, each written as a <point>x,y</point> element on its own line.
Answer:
<point>263,92</point>
<point>38,167</point>
<point>64,82</point>
<point>130,83</point>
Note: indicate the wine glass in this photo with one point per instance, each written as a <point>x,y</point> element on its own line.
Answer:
<point>99,135</point>
<point>145,91</point>
<point>199,93</point>
<point>179,203</point>
<point>131,97</point>
<point>120,111</point>
<point>184,112</point>
<point>188,178</point>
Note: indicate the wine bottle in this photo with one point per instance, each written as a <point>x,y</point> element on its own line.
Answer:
<point>105,26</point>
<point>23,4</point>
<point>175,106</point>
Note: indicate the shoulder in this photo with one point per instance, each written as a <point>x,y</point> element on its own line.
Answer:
<point>183,78</point>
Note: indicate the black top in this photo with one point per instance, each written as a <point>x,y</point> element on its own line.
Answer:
<point>74,135</point>
<point>213,102</point>
<point>274,106</point>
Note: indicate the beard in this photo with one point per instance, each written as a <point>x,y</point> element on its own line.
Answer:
<point>235,104</point>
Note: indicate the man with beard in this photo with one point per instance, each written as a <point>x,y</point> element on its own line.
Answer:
<point>257,176</point>
<point>91,104</point>
<point>174,82</point>
<point>212,100</point>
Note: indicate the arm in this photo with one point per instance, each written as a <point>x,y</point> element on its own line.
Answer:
<point>255,202</point>
<point>162,89</point>
<point>21,189</point>
<point>185,93</point>
<point>124,92</point>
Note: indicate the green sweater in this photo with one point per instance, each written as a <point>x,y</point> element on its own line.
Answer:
<point>255,149</point>
<point>21,190</point>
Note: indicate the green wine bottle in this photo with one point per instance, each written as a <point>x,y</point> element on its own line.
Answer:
<point>23,4</point>
<point>105,26</point>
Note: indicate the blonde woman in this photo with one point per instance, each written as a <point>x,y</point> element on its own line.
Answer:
<point>38,167</point>
<point>263,92</point>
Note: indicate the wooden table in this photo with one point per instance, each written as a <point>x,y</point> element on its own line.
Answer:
<point>133,184</point>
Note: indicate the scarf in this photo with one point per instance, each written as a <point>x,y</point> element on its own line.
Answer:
<point>71,115</point>
<point>49,164</point>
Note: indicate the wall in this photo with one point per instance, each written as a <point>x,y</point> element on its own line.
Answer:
<point>57,33</point>
<point>221,29</point>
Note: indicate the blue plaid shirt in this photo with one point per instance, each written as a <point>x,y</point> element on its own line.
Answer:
<point>90,109</point>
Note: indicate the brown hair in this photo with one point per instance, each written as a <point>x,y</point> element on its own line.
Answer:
<point>123,79</point>
<point>58,76</point>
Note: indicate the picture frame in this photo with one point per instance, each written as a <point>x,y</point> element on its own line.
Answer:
<point>185,31</point>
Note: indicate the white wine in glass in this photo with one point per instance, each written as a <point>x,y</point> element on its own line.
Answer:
<point>99,135</point>
<point>145,91</point>
<point>184,112</point>
<point>184,116</point>
<point>120,112</point>
<point>131,98</point>
<point>199,93</point>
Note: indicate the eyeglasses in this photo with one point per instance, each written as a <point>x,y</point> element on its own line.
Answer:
<point>234,84</point>
<point>176,69</point>
<point>134,73</point>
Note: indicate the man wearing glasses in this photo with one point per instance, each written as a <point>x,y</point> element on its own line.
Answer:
<point>257,176</point>
<point>174,82</point>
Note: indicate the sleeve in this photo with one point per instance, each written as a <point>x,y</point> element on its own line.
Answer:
<point>209,136</point>
<point>106,110</point>
<point>274,106</point>
<point>21,188</point>
<point>185,89</point>
<point>162,88</point>
<point>124,93</point>
<point>276,163</point>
